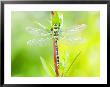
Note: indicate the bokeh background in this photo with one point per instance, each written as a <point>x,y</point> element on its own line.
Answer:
<point>37,61</point>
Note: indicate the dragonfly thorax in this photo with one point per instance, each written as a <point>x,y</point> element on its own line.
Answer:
<point>55,31</point>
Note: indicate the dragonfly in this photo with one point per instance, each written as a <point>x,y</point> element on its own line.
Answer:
<point>55,34</point>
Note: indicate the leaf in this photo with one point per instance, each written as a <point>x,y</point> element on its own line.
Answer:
<point>46,67</point>
<point>73,62</point>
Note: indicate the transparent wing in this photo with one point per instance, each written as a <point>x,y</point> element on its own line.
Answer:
<point>42,36</point>
<point>74,29</point>
<point>37,32</point>
<point>39,42</point>
<point>73,34</point>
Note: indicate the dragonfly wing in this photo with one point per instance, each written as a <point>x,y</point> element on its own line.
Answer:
<point>73,34</point>
<point>39,42</point>
<point>72,40</point>
<point>37,32</point>
<point>74,29</point>
<point>42,26</point>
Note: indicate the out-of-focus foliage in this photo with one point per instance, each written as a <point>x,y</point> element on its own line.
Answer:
<point>37,61</point>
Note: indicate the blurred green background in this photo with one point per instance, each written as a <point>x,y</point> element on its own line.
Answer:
<point>37,61</point>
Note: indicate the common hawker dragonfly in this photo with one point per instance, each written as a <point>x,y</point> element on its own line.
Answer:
<point>55,34</point>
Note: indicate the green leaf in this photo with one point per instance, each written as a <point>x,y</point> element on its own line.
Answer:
<point>73,62</point>
<point>47,67</point>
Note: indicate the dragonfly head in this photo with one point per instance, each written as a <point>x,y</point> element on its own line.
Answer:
<point>57,18</point>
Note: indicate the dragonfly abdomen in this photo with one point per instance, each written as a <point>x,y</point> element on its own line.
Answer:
<point>56,28</point>
<point>57,56</point>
